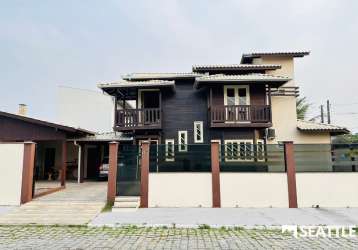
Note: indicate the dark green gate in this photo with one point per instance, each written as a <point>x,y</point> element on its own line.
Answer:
<point>128,170</point>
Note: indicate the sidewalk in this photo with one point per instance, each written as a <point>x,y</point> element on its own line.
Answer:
<point>229,217</point>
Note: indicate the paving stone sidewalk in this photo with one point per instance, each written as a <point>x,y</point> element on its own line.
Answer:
<point>62,237</point>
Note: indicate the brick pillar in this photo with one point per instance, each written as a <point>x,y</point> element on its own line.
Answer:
<point>112,172</point>
<point>63,163</point>
<point>28,172</point>
<point>215,173</point>
<point>144,174</point>
<point>291,174</point>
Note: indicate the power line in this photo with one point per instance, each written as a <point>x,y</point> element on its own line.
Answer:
<point>345,104</point>
<point>348,113</point>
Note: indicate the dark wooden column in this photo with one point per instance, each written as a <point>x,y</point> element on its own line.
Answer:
<point>291,173</point>
<point>63,163</point>
<point>112,172</point>
<point>28,171</point>
<point>144,174</point>
<point>215,173</point>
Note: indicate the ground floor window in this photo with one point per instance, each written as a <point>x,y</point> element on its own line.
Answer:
<point>244,150</point>
<point>169,150</point>
<point>183,141</point>
<point>260,150</point>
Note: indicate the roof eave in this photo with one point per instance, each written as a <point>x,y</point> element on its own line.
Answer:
<point>331,131</point>
<point>276,83</point>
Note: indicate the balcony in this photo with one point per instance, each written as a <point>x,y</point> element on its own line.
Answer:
<point>135,119</point>
<point>240,116</point>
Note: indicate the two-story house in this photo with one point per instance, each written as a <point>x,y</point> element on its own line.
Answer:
<point>253,102</point>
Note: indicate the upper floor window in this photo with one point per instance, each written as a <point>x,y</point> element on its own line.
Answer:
<point>183,140</point>
<point>236,95</point>
<point>198,132</point>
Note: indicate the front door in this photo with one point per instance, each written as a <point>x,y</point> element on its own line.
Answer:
<point>93,162</point>
<point>149,105</point>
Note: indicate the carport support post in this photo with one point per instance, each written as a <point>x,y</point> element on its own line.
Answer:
<point>291,173</point>
<point>63,163</point>
<point>144,174</point>
<point>28,172</point>
<point>215,173</point>
<point>112,172</point>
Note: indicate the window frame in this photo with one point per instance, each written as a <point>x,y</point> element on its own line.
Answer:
<point>182,147</point>
<point>201,128</point>
<point>239,144</point>
<point>167,143</point>
<point>236,93</point>
<point>263,157</point>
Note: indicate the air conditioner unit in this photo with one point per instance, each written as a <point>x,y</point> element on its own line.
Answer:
<point>270,134</point>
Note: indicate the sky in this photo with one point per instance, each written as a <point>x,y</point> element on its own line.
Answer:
<point>44,44</point>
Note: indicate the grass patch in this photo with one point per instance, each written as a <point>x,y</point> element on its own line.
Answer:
<point>107,208</point>
<point>204,226</point>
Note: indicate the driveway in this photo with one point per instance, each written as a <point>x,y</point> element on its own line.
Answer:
<point>217,217</point>
<point>77,204</point>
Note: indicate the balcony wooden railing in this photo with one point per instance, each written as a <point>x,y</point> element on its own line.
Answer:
<point>147,118</point>
<point>239,115</point>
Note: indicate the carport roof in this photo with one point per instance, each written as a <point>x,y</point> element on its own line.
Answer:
<point>104,137</point>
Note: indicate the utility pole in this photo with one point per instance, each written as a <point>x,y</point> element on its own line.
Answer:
<point>322,114</point>
<point>328,112</point>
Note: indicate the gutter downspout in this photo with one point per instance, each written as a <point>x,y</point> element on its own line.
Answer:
<point>79,161</point>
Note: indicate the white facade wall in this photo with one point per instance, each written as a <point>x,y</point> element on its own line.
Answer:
<point>180,190</point>
<point>11,165</point>
<point>87,109</point>
<point>254,190</point>
<point>284,117</point>
<point>327,189</point>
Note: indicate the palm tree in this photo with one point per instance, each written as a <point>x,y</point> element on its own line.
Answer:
<point>302,107</point>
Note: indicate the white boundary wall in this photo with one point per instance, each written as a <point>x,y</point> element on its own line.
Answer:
<point>327,189</point>
<point>11,165</point>
<point>253,189</point>
<point>180,190</point>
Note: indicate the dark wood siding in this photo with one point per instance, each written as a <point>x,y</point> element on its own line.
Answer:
<point>257,95</point>
<point>181,109</point>
<point>17,130</point>
<point>231,133</point>
<point>184,106</point>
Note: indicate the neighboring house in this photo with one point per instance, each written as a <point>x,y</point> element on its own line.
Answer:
<point>51,154</point>
<point>238,104</point>
<point>75,109</point>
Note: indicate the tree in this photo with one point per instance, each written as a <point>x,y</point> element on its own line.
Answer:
<point>302,107</point>
<point>348,138</point>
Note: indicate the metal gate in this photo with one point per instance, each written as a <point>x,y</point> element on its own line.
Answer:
<point>128,170</point>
